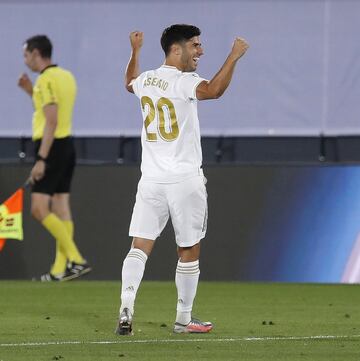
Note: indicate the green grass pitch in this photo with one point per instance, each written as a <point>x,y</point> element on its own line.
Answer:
<point>76,320</point>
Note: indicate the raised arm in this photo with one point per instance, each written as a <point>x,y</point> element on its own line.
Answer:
<point>214,88</point>
<point>132,69</point>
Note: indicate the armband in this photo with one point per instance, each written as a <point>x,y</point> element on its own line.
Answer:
<point>39,157</point>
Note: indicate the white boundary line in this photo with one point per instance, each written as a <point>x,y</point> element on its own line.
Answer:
<point>160,341</point>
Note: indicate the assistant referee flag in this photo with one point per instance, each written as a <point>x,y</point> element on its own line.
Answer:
<point>11,218</point>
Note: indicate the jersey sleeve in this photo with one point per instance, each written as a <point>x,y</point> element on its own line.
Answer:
<point>189,83</point>
<point>47,90</point>
<point>137,83</point>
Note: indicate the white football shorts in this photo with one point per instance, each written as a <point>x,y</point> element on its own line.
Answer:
<point>185,202</point>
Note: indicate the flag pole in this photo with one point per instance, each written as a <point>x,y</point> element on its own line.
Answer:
<point>27,183</point>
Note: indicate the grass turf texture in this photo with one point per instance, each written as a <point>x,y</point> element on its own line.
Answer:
<point>82,315</point>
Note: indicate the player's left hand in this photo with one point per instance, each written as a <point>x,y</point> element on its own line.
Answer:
<point>38,171</point>
<point>239,48</point>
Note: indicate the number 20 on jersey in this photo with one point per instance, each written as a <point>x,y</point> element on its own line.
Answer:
<point>157,112</point>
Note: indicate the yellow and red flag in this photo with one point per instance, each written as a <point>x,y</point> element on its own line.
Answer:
<point>11,218</point>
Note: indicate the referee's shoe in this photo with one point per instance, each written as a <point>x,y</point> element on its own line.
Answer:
<point>75,270</point>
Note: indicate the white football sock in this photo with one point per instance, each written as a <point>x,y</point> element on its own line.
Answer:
<point>132,274</point>
<point>186,280</point>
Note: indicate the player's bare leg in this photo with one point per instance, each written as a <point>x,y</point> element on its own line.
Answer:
<point>132,274</point>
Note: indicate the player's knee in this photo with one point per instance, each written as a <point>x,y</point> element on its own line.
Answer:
<point>189,254</point>
<point>145,245</point>
<point>37,212</point>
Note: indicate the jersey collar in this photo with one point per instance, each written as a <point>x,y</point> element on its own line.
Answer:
<point>170,67</point>
<point>49,66</point>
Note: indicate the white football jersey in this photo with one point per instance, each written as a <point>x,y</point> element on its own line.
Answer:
<point>171,148</point>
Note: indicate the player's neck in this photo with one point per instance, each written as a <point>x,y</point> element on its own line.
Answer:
<point>173,62</point>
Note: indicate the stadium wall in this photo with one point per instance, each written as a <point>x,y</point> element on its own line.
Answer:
<point>278,223</point>
<point>293,81</point>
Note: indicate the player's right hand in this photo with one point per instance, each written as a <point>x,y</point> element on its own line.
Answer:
<point>136,39</point>
<point>25,83</point>
<point>239,47</point>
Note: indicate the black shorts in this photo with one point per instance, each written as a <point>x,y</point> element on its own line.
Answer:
<point>59,169</point>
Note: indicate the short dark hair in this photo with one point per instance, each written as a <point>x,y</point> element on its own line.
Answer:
<point>177,33</point>
<point>40,42</point>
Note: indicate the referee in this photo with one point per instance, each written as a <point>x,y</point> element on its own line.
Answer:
<point>53,97</point>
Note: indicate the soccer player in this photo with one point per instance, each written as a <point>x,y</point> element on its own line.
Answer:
<point>172,182</point>
<point>53,97</point>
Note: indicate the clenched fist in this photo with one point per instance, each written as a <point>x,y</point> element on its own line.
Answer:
<point>239,47</point>
<point>136,39</point>
<point>25,83</point>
